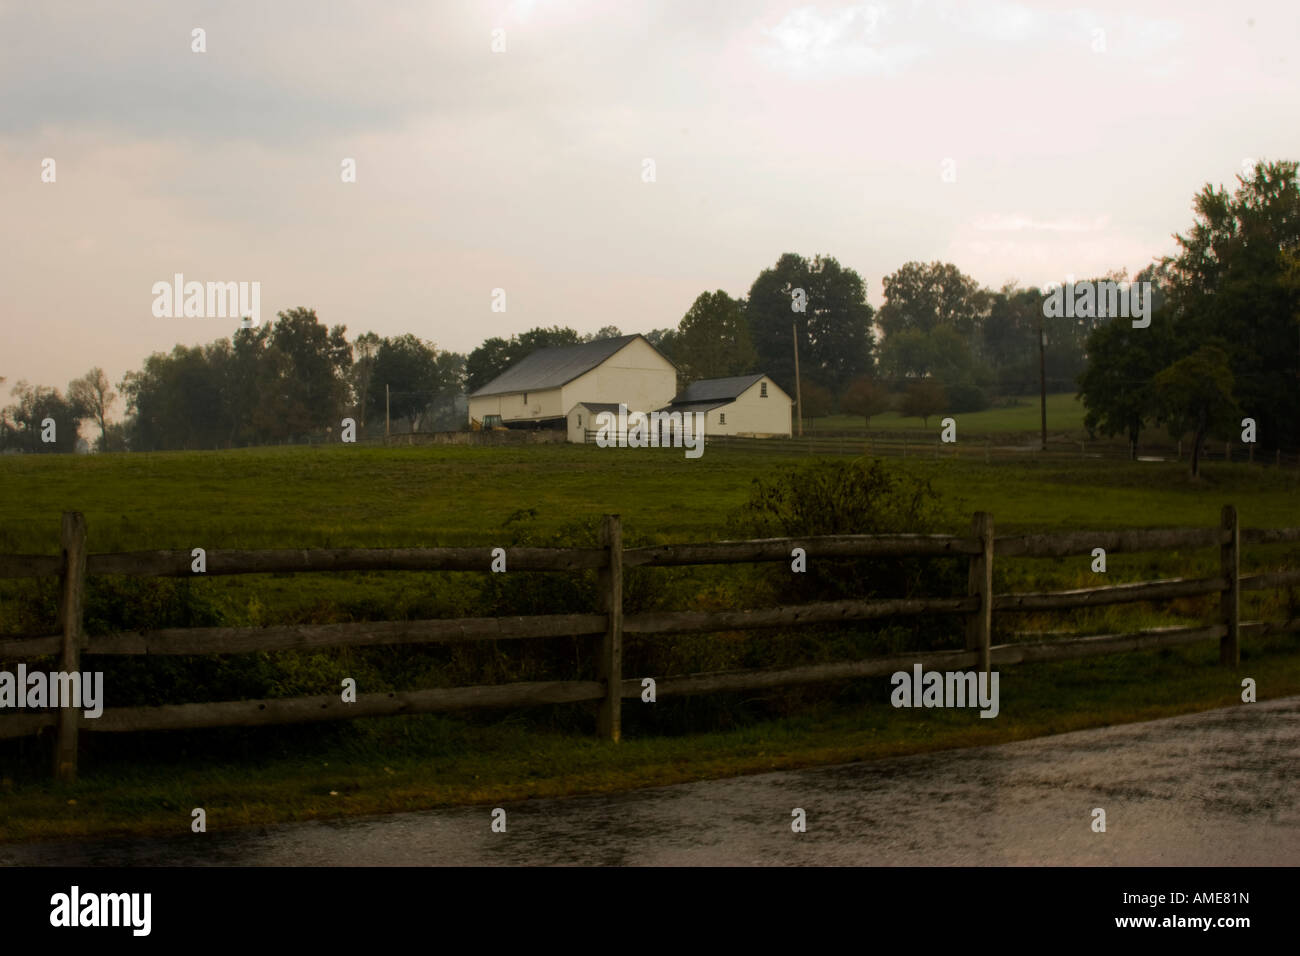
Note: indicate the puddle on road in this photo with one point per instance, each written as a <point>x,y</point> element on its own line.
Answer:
<point>1007,803</point>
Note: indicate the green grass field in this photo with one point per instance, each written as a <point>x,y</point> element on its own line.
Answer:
<point>1064,420</point>
<point>372,497</point>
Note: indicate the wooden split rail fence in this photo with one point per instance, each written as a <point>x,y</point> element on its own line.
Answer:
<point>610,561</point>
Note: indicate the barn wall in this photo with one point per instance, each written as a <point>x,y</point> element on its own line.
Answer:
<point>636,375</point>
<point>479,407</point>
<point>750,414</point>
<point>544,404</point>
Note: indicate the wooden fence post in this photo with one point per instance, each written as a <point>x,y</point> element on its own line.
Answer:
<point>979,626</point>
<point>609,721</point>
<point>72,595</point>
<point>1230,597</point>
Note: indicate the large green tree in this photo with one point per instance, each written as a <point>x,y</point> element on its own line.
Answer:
<point>834,330</point>
<point>933,320</point>
<point>1117,386</point>
<point>178,400</point>
<point>406,376</point>
<point>713,338</point>
<point>941,352</point>
<point>365,347</point>
<point>303,388</point>
<point>906,354</point>
<point>1010,338</point>
<point>425,386</point>
<point>266,384</point>
<point>27,421</point>
<point>446,411</point>
<point>1230,281</point>
<point>240,373</point>
<point>925,296</point>
<point>93,392</point>
<point>1195,394</point>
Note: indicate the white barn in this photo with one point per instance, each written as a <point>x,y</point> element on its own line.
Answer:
<point>543,389</point>
<point>752,406</point>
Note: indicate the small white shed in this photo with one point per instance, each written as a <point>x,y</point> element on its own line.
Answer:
<point>582,419</point>
<point>751,406</point>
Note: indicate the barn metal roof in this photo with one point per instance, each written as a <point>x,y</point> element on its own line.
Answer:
<point>717,390</point>
<point>553,367</point>
<point>686,407</point>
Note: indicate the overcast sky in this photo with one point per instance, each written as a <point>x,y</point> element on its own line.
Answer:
<point>773,127</point>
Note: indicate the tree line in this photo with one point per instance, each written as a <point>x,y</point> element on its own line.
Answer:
<point>288,381</point>
<point>1222,345</point>
<point>938,325</point>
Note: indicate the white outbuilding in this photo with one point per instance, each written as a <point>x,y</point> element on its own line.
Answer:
<point>751,406</point>
<point>582,419</point>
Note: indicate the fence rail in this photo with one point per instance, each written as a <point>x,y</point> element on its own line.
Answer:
<point>609,622</point>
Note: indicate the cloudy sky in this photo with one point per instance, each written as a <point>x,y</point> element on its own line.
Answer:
<point>1076,133</point>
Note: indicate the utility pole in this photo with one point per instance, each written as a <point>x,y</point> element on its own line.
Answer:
<point>798,394</point>
<point>1042,375</point>
<point>386,407</point>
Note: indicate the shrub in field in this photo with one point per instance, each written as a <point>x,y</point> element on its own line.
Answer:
<point>967,398</point>
<point>841,497</point>
<point>856,497</point>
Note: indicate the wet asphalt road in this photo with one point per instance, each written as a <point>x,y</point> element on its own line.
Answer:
<point>1217,788</point>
